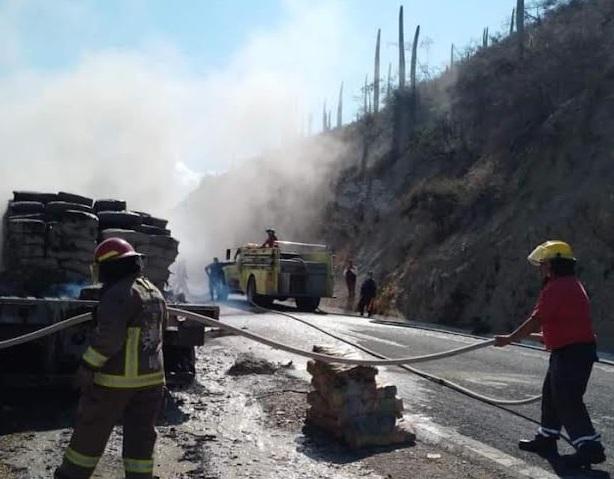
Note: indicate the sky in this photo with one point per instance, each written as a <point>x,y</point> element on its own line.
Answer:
<point>196,87</point>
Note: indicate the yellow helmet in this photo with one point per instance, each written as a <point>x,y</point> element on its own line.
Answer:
<point>550,250</point>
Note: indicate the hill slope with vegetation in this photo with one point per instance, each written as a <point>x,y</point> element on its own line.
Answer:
<point>445,191</point>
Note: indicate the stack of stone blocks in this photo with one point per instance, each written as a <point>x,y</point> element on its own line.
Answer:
<point>347,402</point>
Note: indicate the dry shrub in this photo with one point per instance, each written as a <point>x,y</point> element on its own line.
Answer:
<point>496,87</point>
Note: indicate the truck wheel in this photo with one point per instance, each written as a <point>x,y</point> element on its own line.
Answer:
<point>179,364</point>
<point>307,304</point>
<point>254,298</point>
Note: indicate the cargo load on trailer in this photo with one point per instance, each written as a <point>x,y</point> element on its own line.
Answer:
<point>48,242</point>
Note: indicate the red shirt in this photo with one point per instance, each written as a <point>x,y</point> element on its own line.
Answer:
<point>270,242</point>
<point>564,312</point>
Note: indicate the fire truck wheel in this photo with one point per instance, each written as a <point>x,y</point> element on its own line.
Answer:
<point>254,298</point>
<point>307,304</point>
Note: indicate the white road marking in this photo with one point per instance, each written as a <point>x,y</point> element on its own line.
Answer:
<point>456,443</point>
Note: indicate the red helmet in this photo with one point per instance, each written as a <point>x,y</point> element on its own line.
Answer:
<point>112,249</point>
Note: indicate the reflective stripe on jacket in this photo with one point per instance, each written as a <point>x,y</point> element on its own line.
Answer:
<point>126,350</point>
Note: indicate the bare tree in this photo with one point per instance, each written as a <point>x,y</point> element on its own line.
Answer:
<point>512,21</point>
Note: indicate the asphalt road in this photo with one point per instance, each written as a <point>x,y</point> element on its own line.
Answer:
<point>508,373</point>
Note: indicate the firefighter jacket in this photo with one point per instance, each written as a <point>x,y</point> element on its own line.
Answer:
<point>126,350</point>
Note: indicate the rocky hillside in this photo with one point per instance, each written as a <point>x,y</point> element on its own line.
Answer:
<point>443,194</point>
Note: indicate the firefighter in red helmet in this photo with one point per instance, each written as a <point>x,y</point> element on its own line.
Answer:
<point>121,374</point>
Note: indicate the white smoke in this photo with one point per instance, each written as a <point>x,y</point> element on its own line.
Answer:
<point>140,125</point>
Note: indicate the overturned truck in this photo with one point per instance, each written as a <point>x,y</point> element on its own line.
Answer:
<point>48,240</point>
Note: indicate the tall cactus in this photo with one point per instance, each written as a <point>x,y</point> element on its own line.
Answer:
<point>329,122</point>
<point>324,118</point>
<point>485,38</point>
<point>389,85</point>
<point>366,95</point>
<point>340,107</point>
<point>452,56</point>
<point>520,24</point>
<point>376,74</point>
<point>414,58</point>
<point>512,21</point>
<point>401,50</point>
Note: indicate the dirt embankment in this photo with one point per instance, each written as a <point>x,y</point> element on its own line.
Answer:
<point>519,152</point>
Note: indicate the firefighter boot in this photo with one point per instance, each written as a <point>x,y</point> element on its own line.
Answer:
<point>590,452</point>
<point>541,445</point>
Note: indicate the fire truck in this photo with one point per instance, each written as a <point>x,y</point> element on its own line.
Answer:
<point>300,271</point>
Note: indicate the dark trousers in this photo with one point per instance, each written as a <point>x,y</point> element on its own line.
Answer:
<point>564,386</point>
<point>212,288</point>
<point>365,302</point>
<point>351,285</point>
<point>99,410</point>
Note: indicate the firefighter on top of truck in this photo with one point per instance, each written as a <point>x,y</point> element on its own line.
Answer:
<point>122,373</point>
<point>563,314</point>
<point>271,241</point>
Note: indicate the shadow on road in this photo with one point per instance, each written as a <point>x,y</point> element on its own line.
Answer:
<point>28,410</point>
<point>559,468</point>
<point>36,410</point>
<point>318,445</point>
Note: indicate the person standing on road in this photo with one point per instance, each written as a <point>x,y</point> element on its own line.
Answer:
<point>122,373</point>
<point>368,290</point>
<point>215,274</point>
<point>350,281</point>
<point>563,314</point>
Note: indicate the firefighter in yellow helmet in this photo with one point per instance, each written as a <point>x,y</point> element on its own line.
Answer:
<point>121,373</point>
<point>563,314</point>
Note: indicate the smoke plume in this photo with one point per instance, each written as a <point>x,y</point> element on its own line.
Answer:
<point>142,125</point>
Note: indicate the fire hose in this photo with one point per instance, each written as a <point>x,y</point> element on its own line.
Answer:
<point>403,363</point>
<point>82,318</point>
<point>41,333</point>
<point>382,361</point>
<point>498,403</point>
<point>439,380</point>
